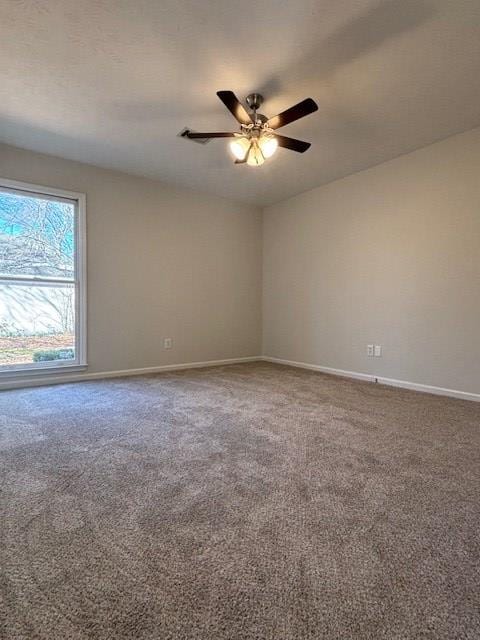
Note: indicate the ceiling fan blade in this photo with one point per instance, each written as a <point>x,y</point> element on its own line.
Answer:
<point>292,143</point>
<point>218,134</point>
<point>294,113</point>
<point>235,107</point>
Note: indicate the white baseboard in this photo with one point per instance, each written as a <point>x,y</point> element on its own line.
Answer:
<point>426,388</point>
<point>80,377</point>
<point>413,386</point>
<point>316,367</point>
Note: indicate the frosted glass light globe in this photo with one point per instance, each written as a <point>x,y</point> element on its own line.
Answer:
<point>255,156</point>
<point>268,145</point>
<point>239,147</point>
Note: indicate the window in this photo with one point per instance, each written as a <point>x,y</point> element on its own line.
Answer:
<point>42,279</point>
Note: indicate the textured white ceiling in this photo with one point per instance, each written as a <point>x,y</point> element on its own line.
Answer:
<point>111,82</point>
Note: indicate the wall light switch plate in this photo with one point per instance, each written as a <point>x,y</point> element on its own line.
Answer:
<point>370,350</point>
<point>378,350</point>
<point>167,343</point>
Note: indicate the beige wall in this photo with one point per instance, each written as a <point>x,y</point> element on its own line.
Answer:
<point>389,256</point>
<point>161,262</point>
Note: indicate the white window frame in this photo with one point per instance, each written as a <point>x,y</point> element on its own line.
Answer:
<point>79,281</point>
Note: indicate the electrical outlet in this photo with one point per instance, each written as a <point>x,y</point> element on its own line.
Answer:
<point>378,350</point>
<point>370,350</point>
<point>167,343</point>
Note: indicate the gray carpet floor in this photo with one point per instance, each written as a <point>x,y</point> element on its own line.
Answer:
<point>243,502</point>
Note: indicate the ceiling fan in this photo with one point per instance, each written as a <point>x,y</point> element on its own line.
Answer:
<point>257,138</point>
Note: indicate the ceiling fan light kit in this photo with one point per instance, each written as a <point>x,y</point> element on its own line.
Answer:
<point>253,148</point>
<point>256,141</point>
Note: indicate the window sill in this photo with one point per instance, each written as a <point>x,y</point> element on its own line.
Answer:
<point>14,374</point>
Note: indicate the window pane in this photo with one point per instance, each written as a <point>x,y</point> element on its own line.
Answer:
<point>37,324</point>
<point>36,236</point>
